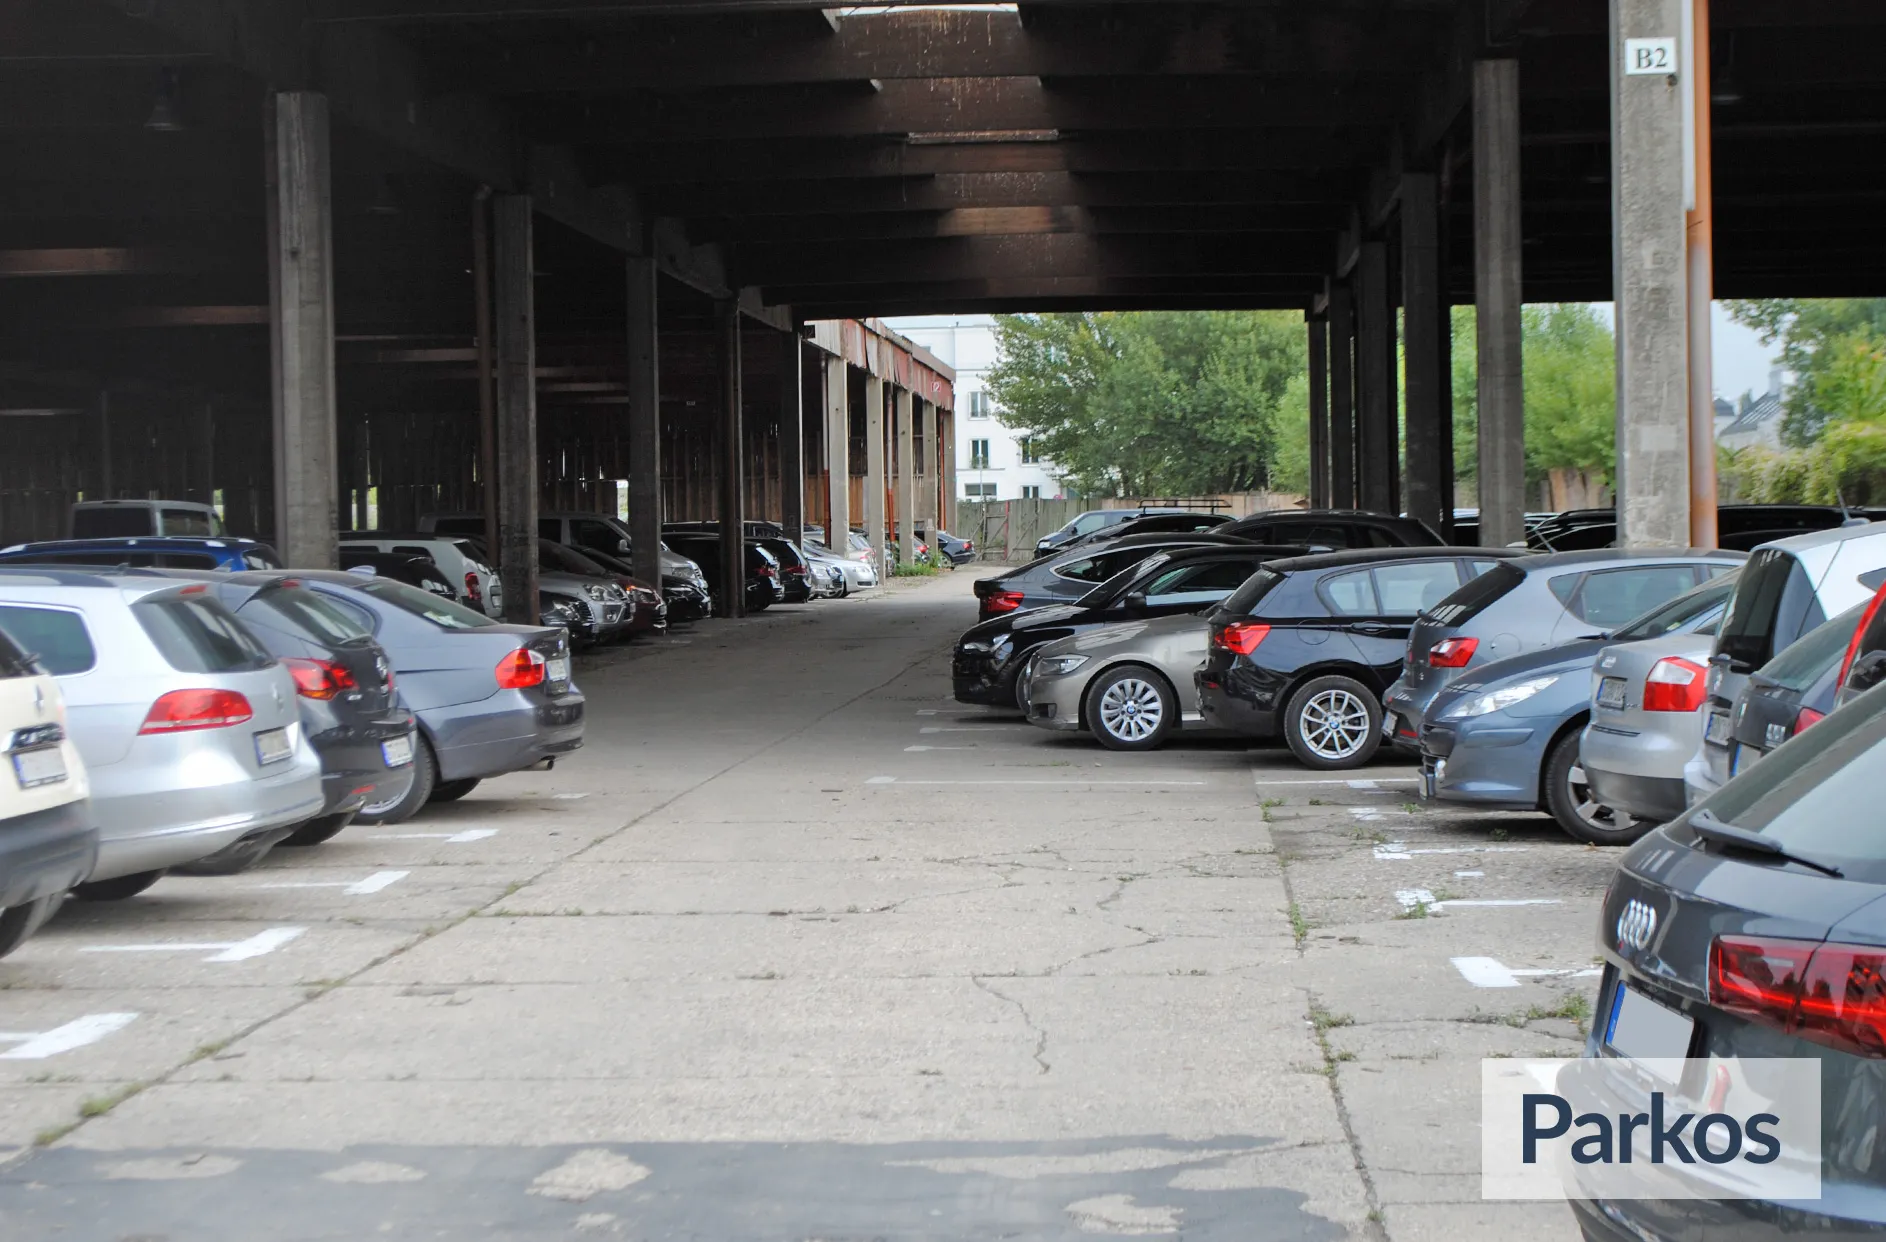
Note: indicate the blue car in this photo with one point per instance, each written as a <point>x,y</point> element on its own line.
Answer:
<point>230,555</point>
<point>1507,735</point>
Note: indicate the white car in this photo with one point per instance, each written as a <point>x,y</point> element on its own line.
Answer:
<point>48,842</point>
<point>476,582</point>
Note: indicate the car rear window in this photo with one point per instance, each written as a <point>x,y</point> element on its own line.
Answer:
<point>1810,657</point>
<point>441,612</point>
<point>55,637</point>
<point>111,523</point>
<point>1608,597</point>
<point>195,634</point>
<point>13,661</point>
<point>188,522</point>
<point>1475,597</point>
<point>1245,599</point>
<point>1774,603</point>
<point>305,613</point>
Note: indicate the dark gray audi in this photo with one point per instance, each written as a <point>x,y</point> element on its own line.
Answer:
<point>1753,927</point>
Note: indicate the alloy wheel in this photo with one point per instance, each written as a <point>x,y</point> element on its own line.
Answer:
<point>1592,812</point>
<point>1335,724</point>
<point>1021,683</point>
<point>1131,709</point>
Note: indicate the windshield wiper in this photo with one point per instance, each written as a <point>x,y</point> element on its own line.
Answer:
<point>1705,825</point>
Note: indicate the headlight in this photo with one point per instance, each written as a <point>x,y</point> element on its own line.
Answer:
<point>596,593</point>
<point>977,647</point>
<point>1056,666</point>
<point>1497,700</point>
<point>1002,647</point>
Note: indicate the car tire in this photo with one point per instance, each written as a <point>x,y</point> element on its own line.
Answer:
<point>315,831</point>
<point>1568,800</point>
<point>1131,708</point>
<point>17,923</point>
<point>399,810</point>
<point>1022,675</point>
<point>119,888</point>
<point>452,791</point>
<point>1332,723</point>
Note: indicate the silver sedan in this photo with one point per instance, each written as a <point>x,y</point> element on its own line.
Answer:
<point>1130,684</point>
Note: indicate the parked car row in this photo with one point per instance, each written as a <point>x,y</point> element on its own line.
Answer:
<point>192,719</point>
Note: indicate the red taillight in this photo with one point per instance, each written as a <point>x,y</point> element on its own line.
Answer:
<point>471,587</point>
<point>1452,652</point>
<point>797,571</point>
<point>1675,685</point>
<point>1808,716</point>
<point>1833,994</point>
<point>183,710</point>
<point>1003,601</point>
<point>766,571</point>
<point>521,669</point>
<point>318,679</point>
<point>1240,637</point>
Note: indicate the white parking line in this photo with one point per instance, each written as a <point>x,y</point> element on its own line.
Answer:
<point>1488,972</point>
<point>997,728</point>
<point>1412,897</point>
<point>921,749</point>
<point>898,780</point>
<point>353,888</point>
<point>1468,875</point>
<point>38,1045</point>
<point>226,951</point>
<point>450,838</point>
<point>1394,850</point>
<point>1258,777</point>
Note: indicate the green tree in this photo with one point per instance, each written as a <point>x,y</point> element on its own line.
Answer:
<point>1570,362</point>
<point>1810,332</point>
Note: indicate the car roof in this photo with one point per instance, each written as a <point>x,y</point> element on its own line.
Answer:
<point>135,582</point>
<point>1240,548</point>
<point>1155,538</point>
<point>1611,556</point>
<point>1371,556</point>
<point>1810,540</point>
<point>173,542</point>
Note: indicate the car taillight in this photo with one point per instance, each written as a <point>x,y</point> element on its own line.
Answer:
<point>1452,652</point>
<point>766,571</point>
<point>320,679</point>
<point>1241,637</point>
<point>1808,716</point>
<point>1832,994</point>
<point>1675,685</point>
<point>797,571</point>
<point>1003,601</point>
<point>183,710</point>
<point>471,587</point>
<point>521,669</point>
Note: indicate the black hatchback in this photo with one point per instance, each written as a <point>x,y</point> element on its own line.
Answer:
<point>1792,691</point>
<point>1307,647</point>
<point>990,660</point>
<point>1754,926</point>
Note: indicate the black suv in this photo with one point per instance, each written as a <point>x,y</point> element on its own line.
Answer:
<point>1334,530</point>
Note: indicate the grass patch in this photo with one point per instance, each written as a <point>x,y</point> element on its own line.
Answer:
<point>1299,926</point>
<point>52,1134</point>
<point>1573,1007</point>
<point>1419,910</point>
<point>1268,803</point>
<point>99,1105</point>
<point>1498,834</point>
<point>205,1051</point>
<point>914,571</point>
<point>1317,802</point>
<point>1323,1020</point>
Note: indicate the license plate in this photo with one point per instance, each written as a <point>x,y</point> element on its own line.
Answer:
<point>44,766</point>
<point>1643,1030</point>
<point>398,751</point>
<point>272,746</point>
<point>557,668</point>
<point>1717,730</point>
<point>1611,693</point>
<point>1390,723</point>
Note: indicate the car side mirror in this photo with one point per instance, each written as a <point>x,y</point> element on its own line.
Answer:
<point>1868,671</point>
<point>1136,600</point>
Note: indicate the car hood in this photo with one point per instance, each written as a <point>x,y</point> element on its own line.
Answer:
<point>1124,634</point>
<point>1051,614</point>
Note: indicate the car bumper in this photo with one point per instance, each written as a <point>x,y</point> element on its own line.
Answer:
<point>1494,764</point>
<point>354,768</point>
<point>978,677</point>
<point>1221,707</point>
<point>507,732</point>
<point>1745,1220</point>
<point>1703,775</point>
<point>1405,714</point>
<point>1637,772</point>
<point>46,852</point>
<point>1055,702</point>
<point>686,603</point>
<point>147,827</point>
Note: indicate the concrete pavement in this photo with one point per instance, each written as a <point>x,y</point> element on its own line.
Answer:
<point>796,947</point>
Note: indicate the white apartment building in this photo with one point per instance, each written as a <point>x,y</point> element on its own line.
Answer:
<point>992,462</point>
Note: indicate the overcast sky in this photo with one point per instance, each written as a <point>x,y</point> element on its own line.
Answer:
<point>1741,361</point>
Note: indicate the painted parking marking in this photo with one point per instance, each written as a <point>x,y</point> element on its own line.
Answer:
<point>261,943</point>
<point>1488,972</point>
<point>1412,897</point>
<point>921,749</point>
<point>995,728</point>
<point>450,838</point>
<point>1259,778</point>
<point>567,797</point>
<point>1468,875</point>
<point>1139,784</point>
<point>353,888</point>
<point>1390,851</point>
<point>38,1045</point>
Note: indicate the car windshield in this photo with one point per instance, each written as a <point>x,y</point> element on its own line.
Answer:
<point>441,612</point>
<point>1687,609</point>
<point>1814,654</point>
<point>570,561</point>
<point>1114,587</point>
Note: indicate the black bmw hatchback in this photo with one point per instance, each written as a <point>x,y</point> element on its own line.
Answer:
<point>1307,647</point>
<point>990,658</point>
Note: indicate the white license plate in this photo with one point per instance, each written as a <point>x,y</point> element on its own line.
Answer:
<point>398,751</point>
<point>1390,722</point>
<point>557,669</point>
<point>45,766</point>
<point>1611,693</point>
<point>1717,730</point>
<point>1643,1030</point>
<point>273,746</point>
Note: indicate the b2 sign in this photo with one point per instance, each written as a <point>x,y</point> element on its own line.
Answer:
<point>1614,1128</point>
<point>1649,57</point>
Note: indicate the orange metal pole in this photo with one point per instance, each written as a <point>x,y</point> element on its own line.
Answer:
<point>1700,225</point>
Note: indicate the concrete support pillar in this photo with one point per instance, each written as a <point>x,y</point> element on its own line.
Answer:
<point>837,454</point>
<point>731,512</point>
<point>1427,346</point>
<point>1649,278</point>
<point>946,432</point>
<point>874,489</point>
<point>1342,397</point>
<point>1318,363</point>
<point>1378,444</point>
<point>204,433</point>
<point>514,314</point>
<point>645,498</point>
<point>301,328</point>
<point>1497,301</point>
<point>791,437</point>
<point>931,462</point>
<point>906,475</point>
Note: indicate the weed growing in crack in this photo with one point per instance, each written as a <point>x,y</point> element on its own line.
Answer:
<point>1419,910</point>
<point>1269,803</point>
<point>1498,834</point>
<point>1299,926</point>
<point>99,1105</point>
<point>1323,1020</point>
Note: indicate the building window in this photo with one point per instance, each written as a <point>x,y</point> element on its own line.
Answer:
<point>1031,491</point>
<point>979,491</point>
<point>980,405</point>
<point>978,454</point>
<point>1030,454</point>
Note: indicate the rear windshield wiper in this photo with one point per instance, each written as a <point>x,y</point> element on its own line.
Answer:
<point>1707,826</point>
